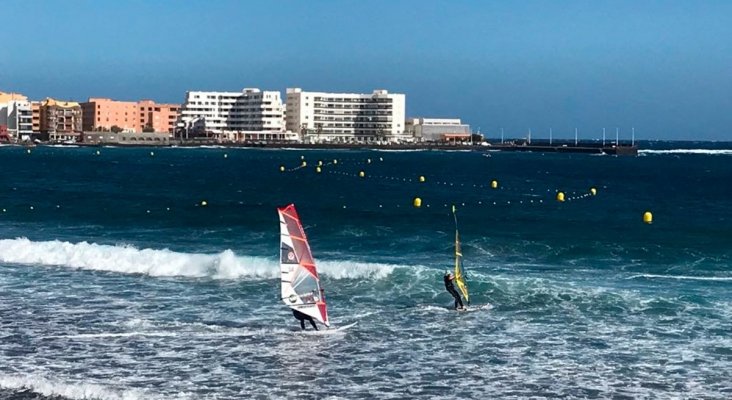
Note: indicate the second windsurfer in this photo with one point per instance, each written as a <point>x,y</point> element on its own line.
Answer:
<point>449,277</point>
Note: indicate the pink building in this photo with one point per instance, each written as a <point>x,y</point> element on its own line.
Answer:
<point>102,114</point>
<point>158,117</point>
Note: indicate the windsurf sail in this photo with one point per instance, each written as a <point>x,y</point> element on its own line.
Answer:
<point>301,288</point>
<point>460,277</point>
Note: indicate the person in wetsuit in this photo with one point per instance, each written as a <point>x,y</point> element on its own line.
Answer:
<point>302,317</point>
<point>449,277</point>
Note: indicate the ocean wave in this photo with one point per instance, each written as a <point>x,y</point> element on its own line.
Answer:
<point>54,389</point>
<point>163,262</point>
<point>683,277</point>
<point>688,151</point>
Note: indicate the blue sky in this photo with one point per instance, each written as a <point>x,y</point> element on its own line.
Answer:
<point>663,67</point>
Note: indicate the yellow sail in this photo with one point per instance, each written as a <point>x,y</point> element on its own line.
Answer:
<point>459,273</point>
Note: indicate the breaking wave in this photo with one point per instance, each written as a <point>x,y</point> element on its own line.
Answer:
<point>129,259</point>
<point>53,389</point>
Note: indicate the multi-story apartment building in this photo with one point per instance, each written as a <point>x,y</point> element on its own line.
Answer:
<point>36,117</point>
<point>438,129</point>
<point>155,117</point>
<point>60,120</point>
<point>233,116</point>
<point>10,115</point>
<point>20,125</point>
<point>346,117</point>
<point>100,114</point>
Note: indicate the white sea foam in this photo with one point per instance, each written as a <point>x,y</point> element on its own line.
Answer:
<point>49,387</point>
<point>688,151</point>
<point>683,277</point>
<point>163,262</point>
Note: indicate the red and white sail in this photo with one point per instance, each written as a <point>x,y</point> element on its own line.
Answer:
<point>300,282</point>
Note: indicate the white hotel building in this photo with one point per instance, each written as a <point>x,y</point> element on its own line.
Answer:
<point>346,117</point>
<point>234,116</point>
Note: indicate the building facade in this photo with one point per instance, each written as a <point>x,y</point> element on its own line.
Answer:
<point>36,117</point>
<point>11,116</point>
<point>438,129</point>
<point>101,114</point>
<point>20,123</point>
<point>61,121</point>
<point>346,117</point>
<point>156,117</point>
<point>233,116</point>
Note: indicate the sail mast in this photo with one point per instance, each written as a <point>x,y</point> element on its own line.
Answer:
<point>460,277</point>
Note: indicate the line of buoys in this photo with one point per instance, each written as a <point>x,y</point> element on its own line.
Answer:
<point>648,217</point>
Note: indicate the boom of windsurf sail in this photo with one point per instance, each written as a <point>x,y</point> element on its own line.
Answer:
<point>300,282</point>
<point>460,277</point>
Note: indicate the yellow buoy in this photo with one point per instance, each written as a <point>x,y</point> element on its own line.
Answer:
<point>362,174</point>
<point>335,161</point>
<point>320,163</point>
<point>417,202</point>
<point>494,184</point>
<point>304,163</point>
<point>421,178</point>
<point>317,169</point>
<point>204,203</point>
<point>368,161</point>
<point>593,191</point>
<point>282,168</point>
<point>648,217</point>
<point>302,157</point>
<point>560,196</point>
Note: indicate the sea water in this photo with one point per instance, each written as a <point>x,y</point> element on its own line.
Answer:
<point>153,274</point>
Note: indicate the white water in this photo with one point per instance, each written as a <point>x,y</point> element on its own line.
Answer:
<point>687,151</point>
<point>51,387</point>
<point>128,259</point>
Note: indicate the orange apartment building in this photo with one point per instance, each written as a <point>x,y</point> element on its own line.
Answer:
<point>101,114</point>
<point>158,117</point>
<point>60,120</point>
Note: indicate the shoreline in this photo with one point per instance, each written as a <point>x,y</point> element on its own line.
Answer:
<point>583,148</point>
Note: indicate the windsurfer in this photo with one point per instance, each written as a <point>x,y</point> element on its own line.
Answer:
<point>449,277</point>
<point>302,317</point>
